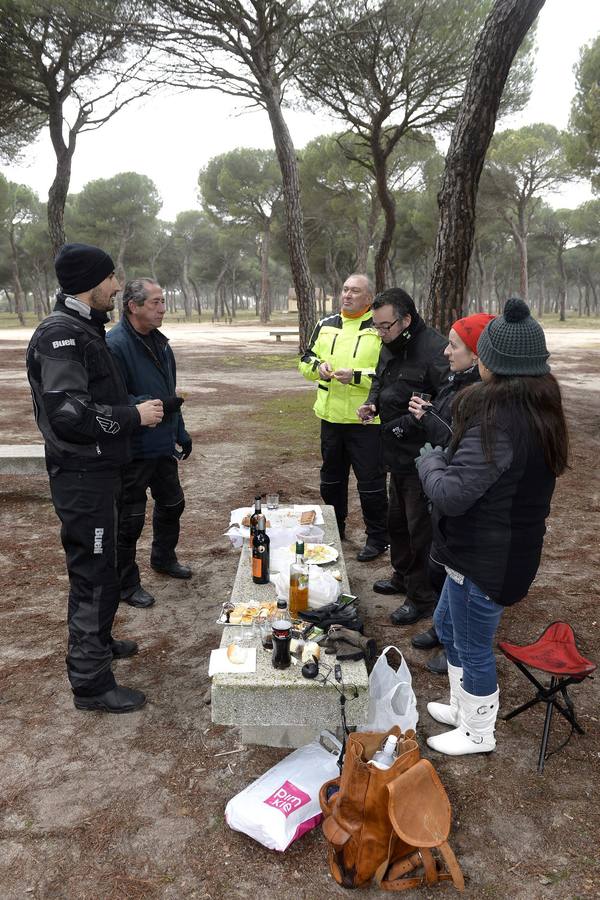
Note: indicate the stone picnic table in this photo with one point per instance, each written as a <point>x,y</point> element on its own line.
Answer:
<point>281,708</point>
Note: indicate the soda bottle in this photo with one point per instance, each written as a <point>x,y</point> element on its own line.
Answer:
<point>281,656</point>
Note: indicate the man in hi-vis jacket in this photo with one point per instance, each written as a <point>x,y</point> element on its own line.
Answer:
<point>341,357</point>
<point>82,409</point>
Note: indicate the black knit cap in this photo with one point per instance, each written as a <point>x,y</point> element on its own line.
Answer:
<point>514,343</point>
<point>80,267</point>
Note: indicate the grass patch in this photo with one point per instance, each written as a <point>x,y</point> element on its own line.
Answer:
<point>552,320</point>
<point>288,423</point>
<point>10,320</point>
<point>267,361</point>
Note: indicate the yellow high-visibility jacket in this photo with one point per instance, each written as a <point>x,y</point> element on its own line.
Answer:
<point>344,344</point>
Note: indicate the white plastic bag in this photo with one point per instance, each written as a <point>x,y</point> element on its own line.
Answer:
<point>323,588</point>
<point>392,700</point>
<point>283,804</point>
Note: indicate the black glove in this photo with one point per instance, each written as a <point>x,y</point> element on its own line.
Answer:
<point>394,428</point>
<point>333,615</point>
<point>186,448</point>
<point>171,405</point>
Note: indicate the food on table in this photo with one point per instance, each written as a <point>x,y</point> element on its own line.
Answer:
<point>308,517</point>
<point>237,611</point>
<point>317,553</point>
<point>236,654</point>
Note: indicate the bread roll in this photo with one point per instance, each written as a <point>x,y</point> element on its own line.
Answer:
<point>236,654</point>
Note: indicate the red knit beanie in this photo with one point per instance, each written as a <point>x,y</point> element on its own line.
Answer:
<point>470,328</point>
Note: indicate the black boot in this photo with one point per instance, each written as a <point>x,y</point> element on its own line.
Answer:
<point>427,640</point>
<point>438,664</point>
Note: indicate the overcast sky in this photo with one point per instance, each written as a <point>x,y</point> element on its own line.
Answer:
<point>169,138</point>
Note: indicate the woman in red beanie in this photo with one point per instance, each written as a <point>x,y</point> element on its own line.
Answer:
<point>435,419</point>
<point>491,490</point>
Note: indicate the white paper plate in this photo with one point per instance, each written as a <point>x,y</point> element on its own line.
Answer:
<point>318,554</point>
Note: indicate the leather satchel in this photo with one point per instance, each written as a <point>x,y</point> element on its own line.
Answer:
<point>384,823</point>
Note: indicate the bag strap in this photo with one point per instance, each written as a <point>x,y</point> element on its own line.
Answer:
<point>419,811</point>
<point>392,647</point>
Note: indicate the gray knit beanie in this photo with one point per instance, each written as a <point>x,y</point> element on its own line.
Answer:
<point>514,343</point>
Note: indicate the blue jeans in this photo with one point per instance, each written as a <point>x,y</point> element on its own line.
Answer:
<point>466,621</point>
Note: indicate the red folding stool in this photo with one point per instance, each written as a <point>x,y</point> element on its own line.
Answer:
<point>555,652</point>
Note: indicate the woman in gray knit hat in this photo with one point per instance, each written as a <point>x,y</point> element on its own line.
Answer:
<point>491,494</point>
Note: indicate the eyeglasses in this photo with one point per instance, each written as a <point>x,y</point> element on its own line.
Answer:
<point>385,328</point>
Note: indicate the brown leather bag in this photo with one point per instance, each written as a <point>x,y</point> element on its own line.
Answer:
<point>382,823</point>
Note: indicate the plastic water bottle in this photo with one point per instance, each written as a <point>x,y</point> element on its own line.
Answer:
<point>385,758</point>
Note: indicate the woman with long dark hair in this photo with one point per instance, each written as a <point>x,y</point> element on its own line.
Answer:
<point>435,420</point>
<point>491,492</point>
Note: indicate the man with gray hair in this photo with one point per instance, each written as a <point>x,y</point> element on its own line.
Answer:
<point>148,367</point>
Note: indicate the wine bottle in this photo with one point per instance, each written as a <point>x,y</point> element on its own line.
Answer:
<point>260,552</point>
<point>298,582</point>
<point>253,518</point>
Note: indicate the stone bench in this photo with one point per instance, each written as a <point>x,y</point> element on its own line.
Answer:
<point>281,708</point>
<point>278,333</point>
<point>22,459</point>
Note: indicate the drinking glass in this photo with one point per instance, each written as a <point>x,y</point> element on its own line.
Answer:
<point>247,630</point>
<point>272,501</point>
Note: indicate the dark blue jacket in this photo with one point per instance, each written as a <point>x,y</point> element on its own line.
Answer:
<point>148,377</point>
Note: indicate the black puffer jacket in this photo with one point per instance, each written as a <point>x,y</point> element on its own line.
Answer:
<point>415,361</point>
<point>79,397</point>
<point>489,517</point>
<point>437,421</point>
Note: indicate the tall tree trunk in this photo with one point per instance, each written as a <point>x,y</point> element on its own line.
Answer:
<point>120,264</point>
<point>501,36</point>
<point>264,273</point>
<point>563,289</point>
<point>186,287</point>
<point>218,285</point>
<point>57,195</point>
<point>286,155</point>
<point>18,287</point>
<point>542,298</point>
<point>388,205</point>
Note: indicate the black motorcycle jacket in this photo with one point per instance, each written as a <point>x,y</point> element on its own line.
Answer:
<point>80,401</point>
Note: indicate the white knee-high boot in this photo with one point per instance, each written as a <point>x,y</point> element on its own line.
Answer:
<point>446,713</point>
<point>475,732</point>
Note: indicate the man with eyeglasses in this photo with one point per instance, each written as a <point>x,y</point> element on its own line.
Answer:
<point>341,357</point>
<point>411,361</point>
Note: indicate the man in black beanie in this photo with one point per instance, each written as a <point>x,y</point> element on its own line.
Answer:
<point>81,408</point>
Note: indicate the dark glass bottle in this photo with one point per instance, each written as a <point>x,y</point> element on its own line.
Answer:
<point>253,520</point>
<point>281,656</point>
<point>260,552</point>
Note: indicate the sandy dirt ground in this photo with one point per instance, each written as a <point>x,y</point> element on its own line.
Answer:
<point>100,807</point>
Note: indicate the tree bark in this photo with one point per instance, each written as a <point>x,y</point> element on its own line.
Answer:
<point>562,290</point>
<point>388,206</point>
<point>286,155</point>
<point>18,287</point>
<point>500,38</point>
<point>57,195</point>
<point>264,273</point>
